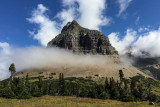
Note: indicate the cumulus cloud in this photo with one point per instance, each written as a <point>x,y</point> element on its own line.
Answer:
<point>48,29</point>
<point>4,47</point>
<point>147,42</point>
<point>4,60</point>
<point>123,5</point>
<point>68,12</point>
<point>66,16</point>
<point>122,44</point>
<point>89,16</point>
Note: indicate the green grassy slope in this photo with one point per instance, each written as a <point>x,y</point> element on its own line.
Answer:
<point>61,101</point>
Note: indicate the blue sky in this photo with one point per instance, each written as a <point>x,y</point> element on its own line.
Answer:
<point>14,27</point>
<point>28,23</point>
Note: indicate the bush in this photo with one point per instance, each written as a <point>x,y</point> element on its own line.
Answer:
<point>24,95</point>
<point>52,92</point>
<point>128,97</point>
<point>35,91</point>
<point>7,93</point>
<point>153,97</point>
<point>115,94</point>
<point>84,93</point>
<point>92,93</point>
<point>104,95</point>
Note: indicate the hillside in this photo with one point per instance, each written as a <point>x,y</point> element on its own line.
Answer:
<point>104,66</point>
<point>148,65</point>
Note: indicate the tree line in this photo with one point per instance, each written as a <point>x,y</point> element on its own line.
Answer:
<point>133,89</point>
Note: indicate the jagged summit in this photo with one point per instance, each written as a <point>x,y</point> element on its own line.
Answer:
<point>70,26</point>
<point>82,40</point>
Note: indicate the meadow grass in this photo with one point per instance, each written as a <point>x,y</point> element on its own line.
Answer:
<point>65,101</point>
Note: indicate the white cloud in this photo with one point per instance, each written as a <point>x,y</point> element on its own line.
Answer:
<point>89,16</point>
<point>91,13</point>
<point>68,12</point>
<point>48,29</point>
<point>4,60</point>
<point>147,42</point>
<point>4,47</point>
<point>123,5</point>
<point>122,44</point>
<point>144,29</point>
<point>88,13</point>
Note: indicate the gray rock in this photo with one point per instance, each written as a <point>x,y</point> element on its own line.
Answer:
<point>151,103</point>
<point>82,40</point>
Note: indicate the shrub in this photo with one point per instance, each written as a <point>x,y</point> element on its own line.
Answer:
<point>104,95</point>
<point>128,97</point>
<point>24,95</point>
<point>35,91</point>
<point>7,93</point>
<point>84,92</point>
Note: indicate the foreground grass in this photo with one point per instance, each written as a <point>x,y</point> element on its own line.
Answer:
<point>60,101</point>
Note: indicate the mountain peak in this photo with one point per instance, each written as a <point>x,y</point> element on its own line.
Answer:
<point>74,22</point>
<point>70,26</point>
<point>82,40</point>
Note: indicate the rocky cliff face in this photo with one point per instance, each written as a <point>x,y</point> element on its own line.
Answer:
<point>82,40</point>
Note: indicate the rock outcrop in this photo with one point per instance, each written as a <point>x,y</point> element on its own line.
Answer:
<point>82,40</point>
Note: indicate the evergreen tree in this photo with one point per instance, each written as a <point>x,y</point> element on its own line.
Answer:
<point>27,79</point>
<point>35,91</point>
<point>27,83</point>
<point>113,89</point>
<point>106,84</point>
<point>126,86</point>
<point>53,87</point>
<point>92,93</point>
<point>99,88</point>
<point>122,84</point>
<point>17,85</point>
<point>12,70</point>
<point>45,88</point>
<point>118,84</point>
<point>104,95</point>
<point>20,88</point>
<point>133,85</point>
<point>40,83</point>
<point>121,75</point>
<point>84,92</point>
<point>25,94</point>
<point>149,94</point>
<point>74,88</point>
<point>112,83</point>
<point>7,92</point>
<point>61,84</point>
<point>115,94</point>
